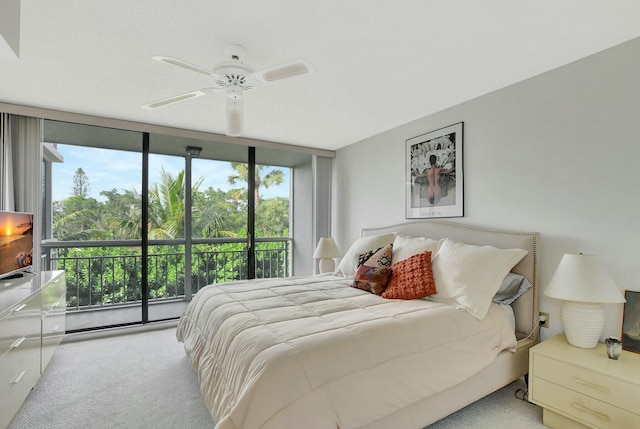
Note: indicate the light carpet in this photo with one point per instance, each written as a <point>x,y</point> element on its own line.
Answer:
<point>145,380</point>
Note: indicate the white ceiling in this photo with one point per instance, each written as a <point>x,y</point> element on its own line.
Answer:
<point>378,63</point>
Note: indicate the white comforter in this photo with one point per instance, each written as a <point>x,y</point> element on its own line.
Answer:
<point>313,352</point>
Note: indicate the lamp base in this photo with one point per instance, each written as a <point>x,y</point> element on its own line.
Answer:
<point>326,265</point>
<point>583,323</point>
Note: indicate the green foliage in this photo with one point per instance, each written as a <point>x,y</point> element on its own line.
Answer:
<point>81,184</point>
<point>272,218</point>
<point>122,214</point>
<point>274,177</point>
<point>112,275</point>
<point>215,213</point>
<point>77,218</point>
<point>98,276</point>
<point>101,275</point>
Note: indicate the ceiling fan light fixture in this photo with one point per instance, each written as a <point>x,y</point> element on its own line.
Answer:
<point>234,116</point>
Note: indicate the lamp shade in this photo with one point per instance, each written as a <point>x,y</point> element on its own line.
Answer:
<point>326,249</point>
<point>583,278</point>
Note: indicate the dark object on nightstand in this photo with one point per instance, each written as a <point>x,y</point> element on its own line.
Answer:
<point>614,347</point>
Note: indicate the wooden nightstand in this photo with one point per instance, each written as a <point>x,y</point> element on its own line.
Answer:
<point>580,388</point>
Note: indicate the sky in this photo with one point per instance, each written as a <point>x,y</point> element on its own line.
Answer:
<point>108,169</point>
<point>15,223</point>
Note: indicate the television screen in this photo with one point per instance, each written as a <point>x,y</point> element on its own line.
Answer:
<point>16,242</point>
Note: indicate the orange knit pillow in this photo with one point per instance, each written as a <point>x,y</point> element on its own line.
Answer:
<point>411,278</point>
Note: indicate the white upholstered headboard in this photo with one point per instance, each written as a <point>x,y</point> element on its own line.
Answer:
<point>526,307</point>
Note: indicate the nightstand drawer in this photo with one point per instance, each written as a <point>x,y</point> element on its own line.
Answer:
<point>583,408</point>
<point>594,384</point>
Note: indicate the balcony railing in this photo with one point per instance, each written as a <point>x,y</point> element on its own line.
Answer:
<point>109,273</point>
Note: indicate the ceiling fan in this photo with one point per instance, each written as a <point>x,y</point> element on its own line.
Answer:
<point>234,77</point>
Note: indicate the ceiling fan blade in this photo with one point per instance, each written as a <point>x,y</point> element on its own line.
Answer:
<point>283,71</point>
<point>183,64</point>
<point>176,99</point>
<point>234,116</point>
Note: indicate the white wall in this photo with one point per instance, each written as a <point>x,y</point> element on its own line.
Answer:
<point>558,154</point>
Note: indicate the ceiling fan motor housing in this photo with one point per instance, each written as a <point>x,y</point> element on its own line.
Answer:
<point>236,77</point>
<point>235,92</point>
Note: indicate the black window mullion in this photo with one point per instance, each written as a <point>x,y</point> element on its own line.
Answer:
<point>251,207</point>
<point>144,281</point>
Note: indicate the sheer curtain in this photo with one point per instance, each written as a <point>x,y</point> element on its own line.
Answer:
<point>21,174</point>
<point>6,164</point>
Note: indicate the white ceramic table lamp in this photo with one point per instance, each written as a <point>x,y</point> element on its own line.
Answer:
<point>583,283</point>
<point>326,251</point>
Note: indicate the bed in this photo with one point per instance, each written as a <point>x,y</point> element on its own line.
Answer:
<point>316,352</point>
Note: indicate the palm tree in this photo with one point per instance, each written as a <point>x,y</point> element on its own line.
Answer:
<point>274,177</point>
<point>166,205</point>
<point>167,210</point>
<point>77,218</point>
<point>211,216</point>
<point>123,212</point>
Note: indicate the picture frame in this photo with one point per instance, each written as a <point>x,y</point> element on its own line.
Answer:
<point>631,322</point>
<point>435,191</point>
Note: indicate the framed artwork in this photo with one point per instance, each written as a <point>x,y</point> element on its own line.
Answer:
<point>434,174</point>
<point>631,322</point>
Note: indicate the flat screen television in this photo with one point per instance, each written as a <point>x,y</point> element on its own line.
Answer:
<point>16,243</point>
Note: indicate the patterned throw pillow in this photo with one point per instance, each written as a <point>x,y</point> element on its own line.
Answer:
<point>411,278</point>
<point>380,258</point>
<point>372,279</point>
<point>374,272</point>
<point>363,258</point>
<point>348,265</point>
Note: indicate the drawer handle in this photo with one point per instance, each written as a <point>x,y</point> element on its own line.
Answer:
<point>586,383</point>
<point>20,307</point>
<point>18,378</point>
<point>17,343</point>
<point>590,411</point>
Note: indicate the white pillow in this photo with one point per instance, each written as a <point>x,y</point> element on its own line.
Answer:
<point>468,276</point>
<point>349,264</point>
<point>405,247</point>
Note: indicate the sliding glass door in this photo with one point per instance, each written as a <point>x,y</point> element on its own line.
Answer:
<point>141,222</point>
<point>93,222</point>
<point>202,199</point>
